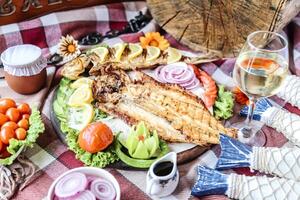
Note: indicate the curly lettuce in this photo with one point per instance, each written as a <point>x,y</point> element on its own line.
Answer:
<point>100,159</point>
<point>17,146</point>
<point>223,107</point>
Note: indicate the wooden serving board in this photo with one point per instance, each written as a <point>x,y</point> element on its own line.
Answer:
<point>184,156</point>
<point>217,27</point>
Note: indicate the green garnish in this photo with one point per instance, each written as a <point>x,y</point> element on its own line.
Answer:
<point>100,159</point>
<point>223,107</point>
<point>142,147</point>
<point>61,109</point>
<point>99,114</point>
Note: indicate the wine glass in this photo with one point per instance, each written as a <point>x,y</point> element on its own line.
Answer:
<point>259,71</point>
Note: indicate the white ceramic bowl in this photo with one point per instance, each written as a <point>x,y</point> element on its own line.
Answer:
<point>89,171</point>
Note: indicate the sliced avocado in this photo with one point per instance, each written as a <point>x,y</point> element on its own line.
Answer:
<point>141,129</point>
<point>140,163</point>
<point>155,135</point>
<point>141,151</point>
<point>123,139</point>
<point>131,143</point>
<point>151,145</point>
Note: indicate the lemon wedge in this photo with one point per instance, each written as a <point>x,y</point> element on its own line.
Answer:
<point>135,50</point>
<point>102,52</point>
<point>173,55</point>
<point>82,81</point>
<point>80,116</point>
<point>152,53</point>
<point>81,95</point>
<point>119,49</point>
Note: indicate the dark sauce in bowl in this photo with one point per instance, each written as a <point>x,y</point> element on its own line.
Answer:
<point>163,168</point>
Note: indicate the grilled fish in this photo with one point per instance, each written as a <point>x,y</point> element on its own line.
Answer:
<point>140,61</point>
<point>176,114</point>
<point>125,63</point>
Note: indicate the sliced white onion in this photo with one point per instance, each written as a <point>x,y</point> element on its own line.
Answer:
<point>193,85</point>
<point>71,185</point>
<point>103,189</point>
<point>178,73</point>
<point>85,195</point>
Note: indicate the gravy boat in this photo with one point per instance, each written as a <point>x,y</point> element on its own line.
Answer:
<point>161,186</point>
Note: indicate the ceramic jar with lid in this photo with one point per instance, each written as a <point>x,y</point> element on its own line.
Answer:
<point>24,68</point>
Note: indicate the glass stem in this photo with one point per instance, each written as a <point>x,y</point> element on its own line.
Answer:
<point>251,108</point>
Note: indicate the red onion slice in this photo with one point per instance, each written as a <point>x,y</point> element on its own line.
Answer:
<point>157,73</point>
<point>188,76</point>
<point>194,84</point>
<point>103,189</point>
<point>70,185</point>
<point>85,195</point>
<point>178,73</point>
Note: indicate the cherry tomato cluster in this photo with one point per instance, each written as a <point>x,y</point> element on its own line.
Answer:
<point>14,123</point>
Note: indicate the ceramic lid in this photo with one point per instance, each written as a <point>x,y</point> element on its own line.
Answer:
<point>23,60</point>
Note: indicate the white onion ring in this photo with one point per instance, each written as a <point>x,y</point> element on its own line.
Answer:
<point>178,73</point>
<point>103,189</point>
<point>85,195</point>
<point>71,185</point>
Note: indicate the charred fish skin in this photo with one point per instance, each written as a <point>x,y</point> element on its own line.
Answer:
<point>176,114</point>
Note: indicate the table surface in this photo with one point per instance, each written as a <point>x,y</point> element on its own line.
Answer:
<point>51,156</point>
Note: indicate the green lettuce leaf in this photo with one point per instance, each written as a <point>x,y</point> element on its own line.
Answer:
<point>223,107</point>
<point>17,146</point>
<point>100,159</point>
<point>61,109</point>
<point>99,114</point>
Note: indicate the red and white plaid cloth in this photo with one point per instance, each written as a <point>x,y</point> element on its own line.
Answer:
<point>53,158</point>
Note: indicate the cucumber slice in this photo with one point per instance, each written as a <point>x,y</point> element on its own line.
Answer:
<point>58,109</point>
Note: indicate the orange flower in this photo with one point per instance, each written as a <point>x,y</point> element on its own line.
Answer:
<point>240,97</point>
<point>154,39</point>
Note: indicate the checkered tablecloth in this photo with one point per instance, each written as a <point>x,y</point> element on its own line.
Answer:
<point>51,156</point>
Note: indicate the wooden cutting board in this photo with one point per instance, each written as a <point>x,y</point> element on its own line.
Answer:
<point>182,157</point>
<point>220,27</point>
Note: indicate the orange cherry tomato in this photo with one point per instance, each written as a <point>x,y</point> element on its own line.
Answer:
<point>23,123</point>
<point>13,114</point>
<point>2,109</point>
<point>24,108</point>
<point>1,145</point>
<point>6,134</point>
<point>13,125</point>
<point>25,116</point>
<point>21,133</point>
<point>6,103</point>
<point>3,119</point>
<point>95,137</point>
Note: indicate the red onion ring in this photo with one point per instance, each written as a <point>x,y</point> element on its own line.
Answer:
<point>71,185</point>
<point>103,189</point>
<point>178,73</point>
<point>85,195</point>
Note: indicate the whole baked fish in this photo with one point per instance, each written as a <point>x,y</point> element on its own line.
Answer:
<point>177,115</point>
<point>140,61</point>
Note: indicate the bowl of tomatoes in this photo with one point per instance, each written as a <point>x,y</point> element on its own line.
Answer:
<point>20,125</point>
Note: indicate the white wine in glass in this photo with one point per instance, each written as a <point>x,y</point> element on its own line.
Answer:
<point>259,71</point>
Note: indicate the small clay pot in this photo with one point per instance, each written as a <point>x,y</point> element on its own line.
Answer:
<point>24,68</point>
<point>26,84</point>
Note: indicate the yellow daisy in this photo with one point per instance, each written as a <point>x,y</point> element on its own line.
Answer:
<point>68,47</point>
